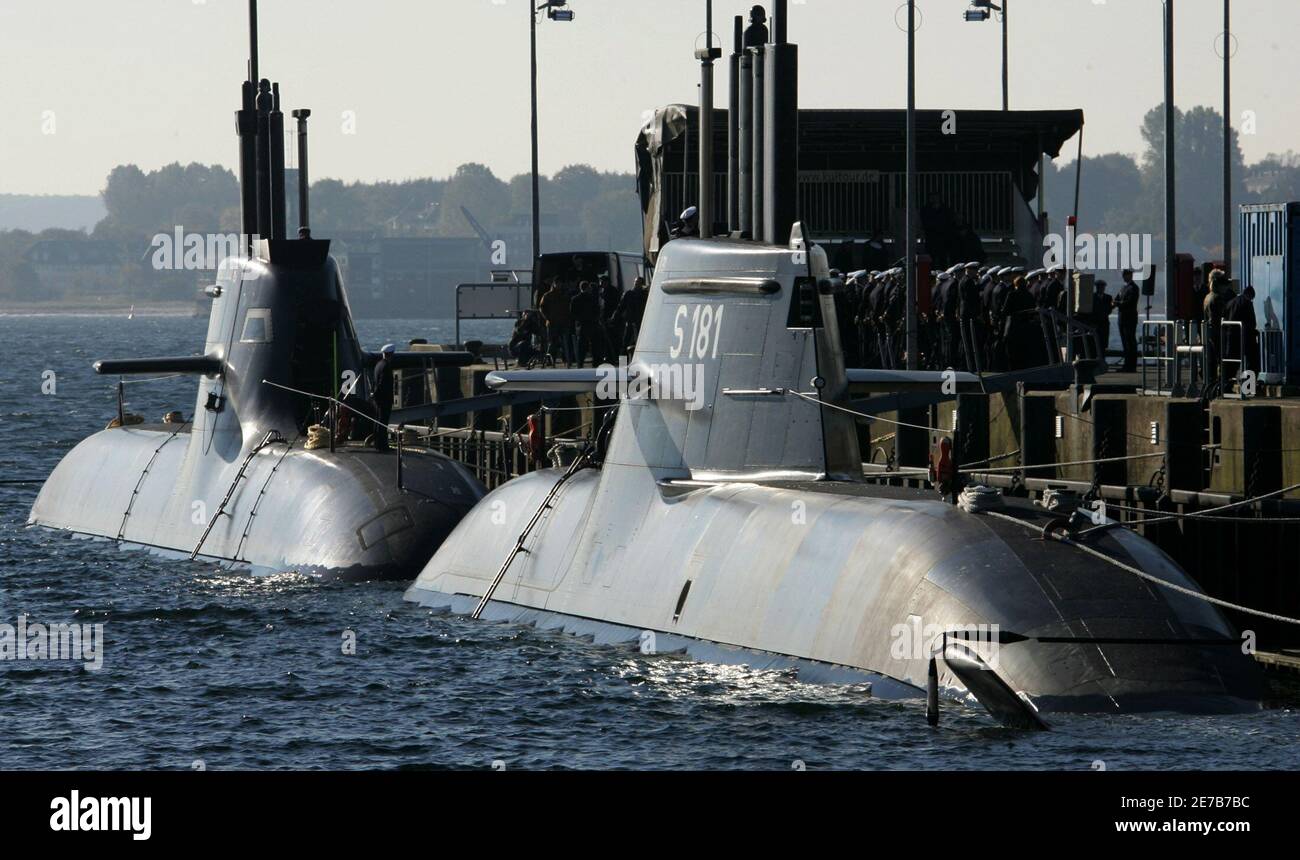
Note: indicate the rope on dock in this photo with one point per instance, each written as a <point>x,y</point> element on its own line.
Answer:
<point>989,460</point>
<point>1236,607</point>
<point>1068,463</point>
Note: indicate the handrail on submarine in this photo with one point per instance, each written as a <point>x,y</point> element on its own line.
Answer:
<point>272,437</point>
<point>576,466</point>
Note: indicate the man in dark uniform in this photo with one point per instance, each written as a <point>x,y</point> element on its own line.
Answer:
<point>864,316</point>
<point>891,310</point>
<point>970,312</point>
<point>998,318</point>
<point>586,316</point>
<point>1127,305</point>
<point>1242,310</point>
<point>631,308</point>
<point>931,336</point>
<point>611,322</point>
<point>1216,306</point>
<point>950,319</point>
<point>1049,294</point>
<point>555,308</point>
<point>383,387</point>
<point>1021,329</point>
<point>1102,306</point>
<point>842,295</point>
<point>987,315</point>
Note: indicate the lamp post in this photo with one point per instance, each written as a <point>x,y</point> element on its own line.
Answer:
<point>909,232</point>
<point>980,10</point>
<point>1171,241</point>
<point>1227,137</point>
<point>556,12</point>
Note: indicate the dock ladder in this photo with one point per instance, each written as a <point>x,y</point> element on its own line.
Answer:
<point>272,437</point>
<point>582,460</point>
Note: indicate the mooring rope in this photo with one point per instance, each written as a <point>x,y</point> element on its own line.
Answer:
<point>1236,607</point>
<point>1205,514</point>
<point>853,412</point>
<point>374,421</point>
<point>1152,516</point>
<point>1067,463</point>
<point>989,459</point>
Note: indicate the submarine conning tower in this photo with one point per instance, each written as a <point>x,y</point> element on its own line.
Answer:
<point>271,471</point>
<point>749,314</point>
<point>280,321</point>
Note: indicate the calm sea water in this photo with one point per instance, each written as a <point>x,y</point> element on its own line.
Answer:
<point>236,671</point>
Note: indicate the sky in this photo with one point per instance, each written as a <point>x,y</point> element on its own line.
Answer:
<point>408,88</point>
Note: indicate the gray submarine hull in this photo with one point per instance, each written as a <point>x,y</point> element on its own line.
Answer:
<point>237,483</point>
<point>281,362</point>
<point>739,528</point>
<point>864,581</point>
<point>328,515</point>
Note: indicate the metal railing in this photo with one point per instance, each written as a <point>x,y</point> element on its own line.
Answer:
<point>1160,367</point>
<point>1058,328</point>
<point>1272,356</point>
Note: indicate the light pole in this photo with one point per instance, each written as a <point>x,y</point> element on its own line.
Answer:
<point>555,12</point>
<point>1171,242</point>
<point>980,10</point>
<point>909,232</point>
<point>1227,137</point>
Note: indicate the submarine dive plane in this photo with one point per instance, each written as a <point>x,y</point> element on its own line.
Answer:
<point>737,526</point>
<point>239,483</point>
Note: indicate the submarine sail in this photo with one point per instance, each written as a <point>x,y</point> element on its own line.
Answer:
<point>242,482</point>
<point>730,518</point>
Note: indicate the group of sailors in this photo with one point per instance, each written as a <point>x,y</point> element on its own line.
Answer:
<point>574,322</point>
<point>980,317</point>
<point>1216,302</point>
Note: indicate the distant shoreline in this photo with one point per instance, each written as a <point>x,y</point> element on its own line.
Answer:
<point>159,309</point>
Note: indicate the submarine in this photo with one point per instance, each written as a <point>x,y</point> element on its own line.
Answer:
<point>250,479</point>
<point>738,526</point>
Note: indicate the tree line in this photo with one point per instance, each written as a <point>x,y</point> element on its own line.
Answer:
<point>204,199</point>
<point>1120,193</point>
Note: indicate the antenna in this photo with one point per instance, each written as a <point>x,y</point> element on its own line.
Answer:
<point>246,129</point>
<point>252,41</point>
<point>706,56</point>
